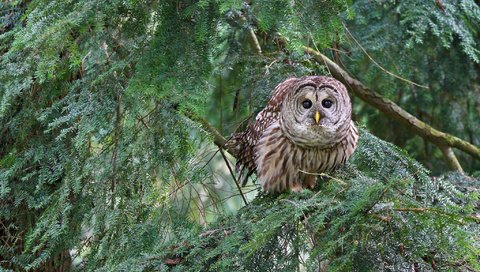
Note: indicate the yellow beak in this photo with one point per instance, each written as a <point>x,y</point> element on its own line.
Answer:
<point>317,117</point>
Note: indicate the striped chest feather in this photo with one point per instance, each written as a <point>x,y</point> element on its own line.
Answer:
<point>282,165</point>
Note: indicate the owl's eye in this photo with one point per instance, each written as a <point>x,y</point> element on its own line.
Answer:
<point>307,104</point>
<point>327,103</point>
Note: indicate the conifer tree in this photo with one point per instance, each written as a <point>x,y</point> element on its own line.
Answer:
<point>114,115</point>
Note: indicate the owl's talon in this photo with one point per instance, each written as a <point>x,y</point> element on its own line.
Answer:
<point>297,188</point>
<point>310,182</point>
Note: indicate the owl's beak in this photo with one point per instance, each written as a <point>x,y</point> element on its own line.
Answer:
<point>317,117</point>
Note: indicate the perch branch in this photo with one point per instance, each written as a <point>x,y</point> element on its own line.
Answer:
<point>441,139</point>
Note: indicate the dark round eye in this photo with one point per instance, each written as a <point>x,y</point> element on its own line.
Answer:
<point>307,104</point>
<point>327,103</point>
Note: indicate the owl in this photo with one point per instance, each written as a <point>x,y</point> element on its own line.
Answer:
<point>305,129</point>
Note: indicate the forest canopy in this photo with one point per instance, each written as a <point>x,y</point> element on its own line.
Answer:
<point>114,117</point>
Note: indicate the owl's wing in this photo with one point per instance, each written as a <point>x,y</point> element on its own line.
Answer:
<point>244,142</point>
<point>278,96</point>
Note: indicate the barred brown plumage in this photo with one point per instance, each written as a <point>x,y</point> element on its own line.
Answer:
<point>305,128</point>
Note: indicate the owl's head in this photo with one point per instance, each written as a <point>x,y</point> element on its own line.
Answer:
<point>316,111</point>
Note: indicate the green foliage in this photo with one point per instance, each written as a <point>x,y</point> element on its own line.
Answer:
<point>435,47</point>
<point>380,212</point>
<point>101,167</point>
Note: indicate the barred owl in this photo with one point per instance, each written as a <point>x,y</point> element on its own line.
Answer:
<point>306,128</point>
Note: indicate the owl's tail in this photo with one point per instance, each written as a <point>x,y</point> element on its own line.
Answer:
<point>243,151</point>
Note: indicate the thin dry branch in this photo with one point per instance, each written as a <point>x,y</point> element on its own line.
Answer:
<point>392,110</point>
<point>450,158</point>
<point>437,211</point>
<point>233,176</point>
<point>377,64</point>
<point>255,43</point>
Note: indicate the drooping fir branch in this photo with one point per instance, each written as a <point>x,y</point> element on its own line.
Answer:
<point>441,139</point>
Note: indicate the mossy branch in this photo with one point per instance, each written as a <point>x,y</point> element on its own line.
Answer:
<point>441,139</point>
<point>218,139</point>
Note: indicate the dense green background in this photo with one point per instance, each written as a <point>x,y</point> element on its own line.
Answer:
<point>105,166</point>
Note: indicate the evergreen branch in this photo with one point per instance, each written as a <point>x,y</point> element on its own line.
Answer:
<point>441,139</point>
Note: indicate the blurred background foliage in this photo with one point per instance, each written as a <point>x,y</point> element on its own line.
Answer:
<point>104,164</point>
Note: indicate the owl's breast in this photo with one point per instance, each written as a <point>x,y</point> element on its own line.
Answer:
<point>283,165</point>
<point>331,158</point>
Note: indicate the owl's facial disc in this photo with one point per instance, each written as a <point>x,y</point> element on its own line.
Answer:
<point>320,114</point>
<point>315,107</point>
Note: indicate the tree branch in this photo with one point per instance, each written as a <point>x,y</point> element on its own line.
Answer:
<point>392,110</point>
<point>218,139</point>
<point>233,176</point>
<point>450,158</point>
<point>438,211</point>
<point>253,36</point>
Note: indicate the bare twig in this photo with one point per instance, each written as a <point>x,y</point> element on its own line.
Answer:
<point>437,211</point>
<point>253,36</point>
<point>255,42</point>
<point>218,139</point>
<point>341,182</point>
<point>378,65</point>
<point>233,176</point>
